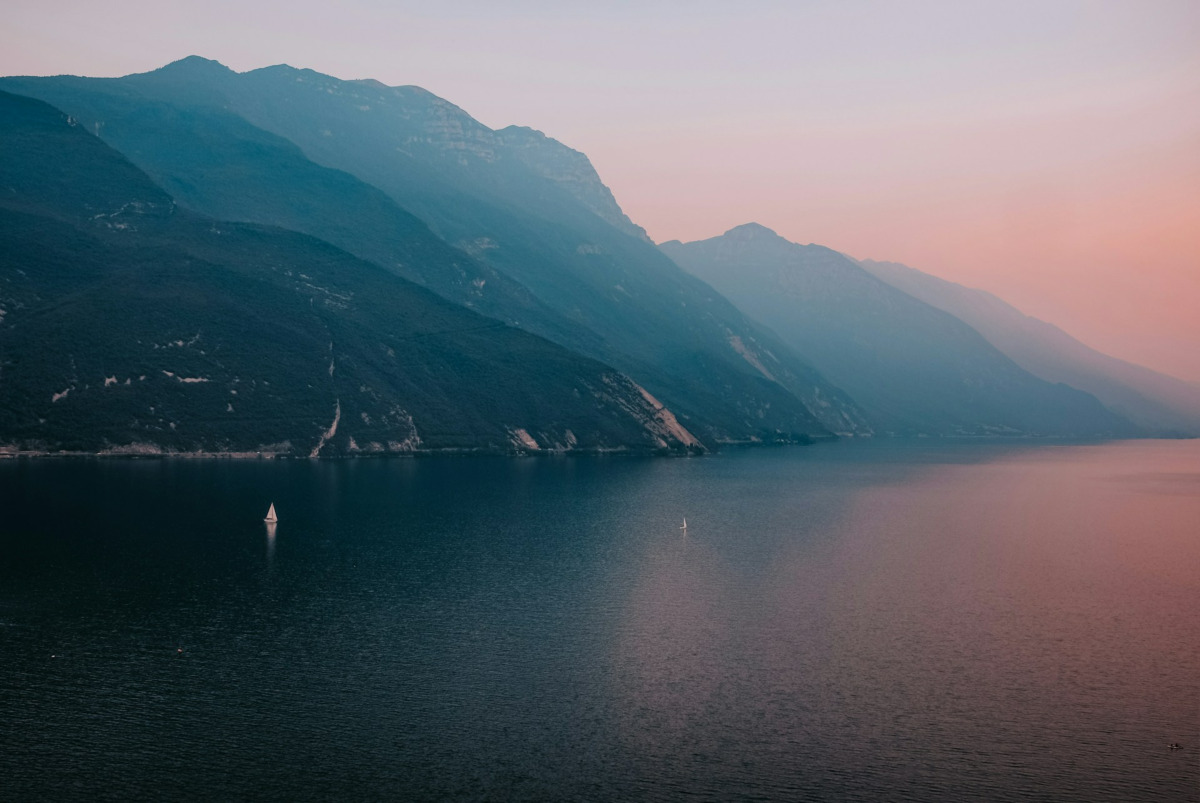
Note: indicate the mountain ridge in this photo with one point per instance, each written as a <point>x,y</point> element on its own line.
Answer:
<point>916,369</point>
<point>216,163</point>
<point>684,343</point>
<point>129,325</point>
<point>1159,402</point>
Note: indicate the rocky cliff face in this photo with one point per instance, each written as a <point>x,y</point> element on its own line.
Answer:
<point>129,326</point>
<point>526,209</point>
<point>423,123</point>
<point>437,124</point>
<point>569,169</point>
<point>218,164</point>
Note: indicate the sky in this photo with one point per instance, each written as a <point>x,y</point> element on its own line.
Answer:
<point>1046,151</point>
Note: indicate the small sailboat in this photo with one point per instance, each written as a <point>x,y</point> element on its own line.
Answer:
<point>684,527</point>
<point>271,517</point>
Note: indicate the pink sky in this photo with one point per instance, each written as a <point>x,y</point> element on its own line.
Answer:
<point>1048,152</point>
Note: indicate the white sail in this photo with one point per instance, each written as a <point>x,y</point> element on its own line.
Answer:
<point>684,527</point>
<point>271,517</point>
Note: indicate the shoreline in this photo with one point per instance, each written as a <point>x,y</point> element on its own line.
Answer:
<point>8,453</point>
<point>416,454</point>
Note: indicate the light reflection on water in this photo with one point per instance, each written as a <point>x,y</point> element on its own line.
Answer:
<point>853,621</point>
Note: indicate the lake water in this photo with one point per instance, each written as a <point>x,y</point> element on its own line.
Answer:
<point>847,621</point>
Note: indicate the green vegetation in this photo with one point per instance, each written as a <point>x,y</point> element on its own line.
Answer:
<point>540,242</point>
<point>129,321</point>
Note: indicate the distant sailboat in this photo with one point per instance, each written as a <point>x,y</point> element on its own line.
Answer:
<point>684,527</point>
<point>271,517</point>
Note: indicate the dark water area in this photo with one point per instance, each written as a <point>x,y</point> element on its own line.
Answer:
<point>848,621</point>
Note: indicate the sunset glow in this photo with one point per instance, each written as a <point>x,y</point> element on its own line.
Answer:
<point>766,401</point>
<point>1048,153</point>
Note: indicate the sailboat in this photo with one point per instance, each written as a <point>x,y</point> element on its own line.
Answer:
<point>684,527</point>
<point>271,517</point>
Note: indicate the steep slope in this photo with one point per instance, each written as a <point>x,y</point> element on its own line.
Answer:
<point>131,325</point>
<point>914,368</point>
<point>534,210</point>
<point>570,170</point>
<point>214,162</point>
<point>1162,404</point>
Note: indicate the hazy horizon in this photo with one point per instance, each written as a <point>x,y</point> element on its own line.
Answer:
<point>1050,155</point>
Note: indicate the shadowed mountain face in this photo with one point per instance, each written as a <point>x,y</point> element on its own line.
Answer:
<point>541,241</point>
<point>214,162</point>
<point>1159,403</point>
<point>129,324</point>
<point>915,369</point>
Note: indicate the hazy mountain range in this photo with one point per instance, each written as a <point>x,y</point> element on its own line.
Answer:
<point>1161,404</point>
<point>914,368</point>
<point>201,260</point>
<point>132,325</point>
<point>602,289</point>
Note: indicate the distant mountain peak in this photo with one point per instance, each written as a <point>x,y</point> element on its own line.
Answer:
<point>571,170</point>
<point>752,231</point>
<point>287,69</point>
<point>522,130</point>
<point>195,65</point>
<point>372,83</point>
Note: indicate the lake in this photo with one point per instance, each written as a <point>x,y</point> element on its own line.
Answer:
<point>848,621</point>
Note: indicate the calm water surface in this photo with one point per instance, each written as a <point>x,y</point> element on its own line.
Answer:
<point>851,621</point>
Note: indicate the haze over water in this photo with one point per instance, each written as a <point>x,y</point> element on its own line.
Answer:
<point>860,621</point>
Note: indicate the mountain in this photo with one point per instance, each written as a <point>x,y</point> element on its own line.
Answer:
<point>915,369</point>
<point>128,324</point>
<point>1159,403</point>
<point>214,162</point>
<point>518,203</point>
